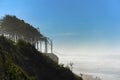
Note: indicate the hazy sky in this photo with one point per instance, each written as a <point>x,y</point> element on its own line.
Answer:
<point>85,32</point>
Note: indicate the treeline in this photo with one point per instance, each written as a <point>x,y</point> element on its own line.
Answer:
<point>15,29</point>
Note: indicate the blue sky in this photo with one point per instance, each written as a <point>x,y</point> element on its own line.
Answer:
<point>83,28</point>
<point>83,20</point>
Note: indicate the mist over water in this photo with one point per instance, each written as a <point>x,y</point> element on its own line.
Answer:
<point>102,61</point>
<point>106,69</point>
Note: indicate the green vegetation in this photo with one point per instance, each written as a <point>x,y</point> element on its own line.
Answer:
<point>8,69</point>
<point>15,29</point>
<point>21,61</point>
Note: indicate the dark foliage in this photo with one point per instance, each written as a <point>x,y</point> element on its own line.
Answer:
<point>21,61</point>
<point>14,29</point>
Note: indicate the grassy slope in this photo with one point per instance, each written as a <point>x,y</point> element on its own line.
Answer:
<point>20,61</point>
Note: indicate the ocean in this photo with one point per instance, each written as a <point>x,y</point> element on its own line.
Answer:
<point>107,68</point>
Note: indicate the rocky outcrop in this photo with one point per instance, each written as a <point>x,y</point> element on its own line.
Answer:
<point>89,77</point>
<point>53,57</point>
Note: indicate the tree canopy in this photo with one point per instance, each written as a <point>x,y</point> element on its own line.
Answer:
<point>16,29</point>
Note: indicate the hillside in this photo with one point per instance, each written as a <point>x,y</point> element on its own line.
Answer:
<point>21,61</point>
